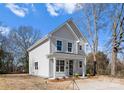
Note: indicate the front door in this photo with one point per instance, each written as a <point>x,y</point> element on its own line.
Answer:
<point>70,67</point>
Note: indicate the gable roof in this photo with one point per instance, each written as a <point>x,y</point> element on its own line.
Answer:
<point>76,30</point>
<point>73,27</point>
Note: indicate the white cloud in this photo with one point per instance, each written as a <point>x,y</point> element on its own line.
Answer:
<point>51,9</point>
<point>4,30</point>
<point>58,8</point>
<point>19,11</point>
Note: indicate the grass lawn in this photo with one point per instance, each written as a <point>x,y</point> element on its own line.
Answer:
<point>27,82</point>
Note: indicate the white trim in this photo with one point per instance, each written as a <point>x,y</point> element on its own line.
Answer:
<point>54,67</point>
<point>72,30</point>
<point>66,56</point>
<point>56,29</point>
<point>72,51</point>
<point>39,42</point>
<point>61,47</point>
<point>59,66</point>
<point>79,31</point>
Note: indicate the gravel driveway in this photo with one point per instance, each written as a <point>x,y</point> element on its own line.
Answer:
<point>101,83</point>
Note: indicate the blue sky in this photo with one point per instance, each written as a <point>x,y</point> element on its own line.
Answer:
<point>44,17</point>
<point>36,16</point>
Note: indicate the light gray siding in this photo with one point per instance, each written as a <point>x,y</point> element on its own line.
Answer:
<point>39,55</point>
<point>65,35</point>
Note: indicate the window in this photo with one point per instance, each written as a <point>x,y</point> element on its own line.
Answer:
<point>69,47</point>
<point>80,64</point>
<point>60,64</point>
<point>59,45</point>
<point>57,65</point>
<point>80,47</point>
<point>36,65</point>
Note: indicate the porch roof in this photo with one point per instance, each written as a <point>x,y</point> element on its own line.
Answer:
<point>65,56</point>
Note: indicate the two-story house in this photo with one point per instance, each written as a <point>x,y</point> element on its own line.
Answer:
<point>61,53</point>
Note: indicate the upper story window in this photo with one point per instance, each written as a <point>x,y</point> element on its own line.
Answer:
<point>69,47</point>
<point>59,45</point>
<point>36,65</point>
<point>80,47</point>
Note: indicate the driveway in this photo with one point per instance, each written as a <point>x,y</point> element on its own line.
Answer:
<point>101,83</point>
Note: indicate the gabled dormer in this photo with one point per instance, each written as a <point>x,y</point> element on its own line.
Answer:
<point>67,38</point>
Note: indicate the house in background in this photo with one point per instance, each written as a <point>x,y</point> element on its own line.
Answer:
<point>59,54</point>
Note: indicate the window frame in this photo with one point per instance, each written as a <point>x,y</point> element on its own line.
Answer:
<point>36,65</point>
<point>70,47</point>
<point>80,47</point>
<point>57,64</point>
<point>61,67</point>
<point>80,64</point>
<point>59,46</point>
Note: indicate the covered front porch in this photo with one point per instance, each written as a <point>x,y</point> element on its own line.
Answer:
<point>65,65</point>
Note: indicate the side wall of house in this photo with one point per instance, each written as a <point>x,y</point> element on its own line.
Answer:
<point>39,55</point>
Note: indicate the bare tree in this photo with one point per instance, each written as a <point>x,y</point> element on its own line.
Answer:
<point>22,38</point>
<point>93,15</point>
<point>115,42</point>
<point>6,57</point>
<point>117,36</point>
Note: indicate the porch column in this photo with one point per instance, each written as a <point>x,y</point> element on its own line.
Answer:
<point>85,64</point>
<point>54,68</point>
<point>84,68</point>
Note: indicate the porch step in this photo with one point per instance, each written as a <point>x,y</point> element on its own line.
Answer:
<point>83,77</point>
<point>58,78</point>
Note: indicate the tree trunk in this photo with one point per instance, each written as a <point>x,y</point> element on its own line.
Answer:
<point>94,64</point>
<point>114,58</point>
<point>27,63</point>
<point>114,50</point>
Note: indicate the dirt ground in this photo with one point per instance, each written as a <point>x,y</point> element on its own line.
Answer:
<point>27,82</point>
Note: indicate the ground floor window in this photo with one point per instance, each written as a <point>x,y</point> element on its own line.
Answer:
<point>60,65</point>
<point>80,64</point>
<point>36,65</point>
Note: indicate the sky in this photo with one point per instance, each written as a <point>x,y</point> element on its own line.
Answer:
<point>44,17</point>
